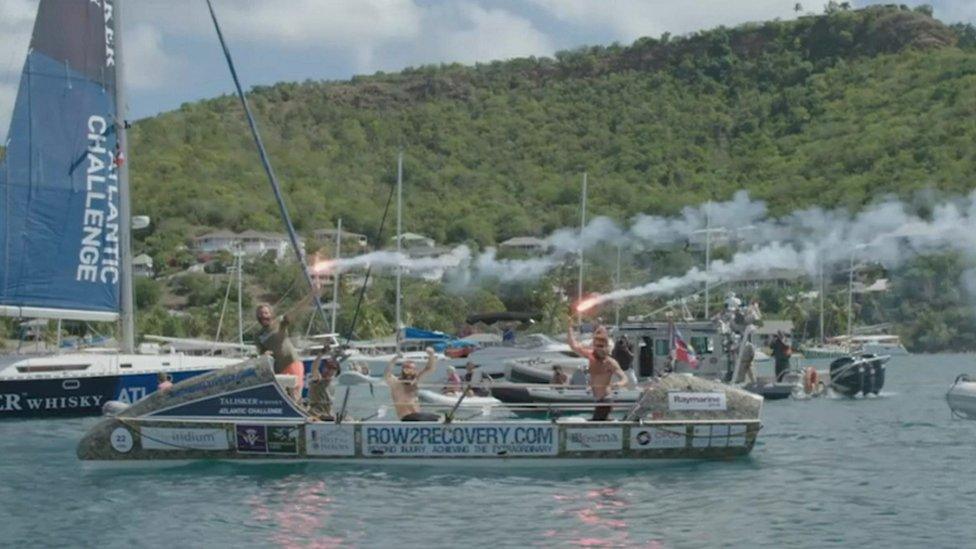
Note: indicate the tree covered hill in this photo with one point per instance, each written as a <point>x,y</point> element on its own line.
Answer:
<point>834,109</point>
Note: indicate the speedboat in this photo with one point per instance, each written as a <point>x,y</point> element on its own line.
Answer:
<point>854,375</point>
<point>962,397</point>
<point>242,413</point>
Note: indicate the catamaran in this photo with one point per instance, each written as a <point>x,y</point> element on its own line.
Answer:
<point>65,217</point>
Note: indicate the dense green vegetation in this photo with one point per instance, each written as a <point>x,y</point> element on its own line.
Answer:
<point>834,110</point>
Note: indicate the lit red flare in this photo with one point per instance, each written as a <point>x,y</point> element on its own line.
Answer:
<point>324,267</point>
<point>587,303</point>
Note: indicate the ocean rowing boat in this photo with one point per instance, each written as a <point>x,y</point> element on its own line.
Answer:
<point>242,413</point>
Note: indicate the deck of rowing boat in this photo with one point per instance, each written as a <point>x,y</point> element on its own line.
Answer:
<point>241,413</point>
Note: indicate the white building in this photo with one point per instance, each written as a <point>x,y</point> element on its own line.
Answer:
<point>250,243</point>
<point>329,236</point>
<point>142,265</point>
<point>527,244</point>
<point>414,240</point>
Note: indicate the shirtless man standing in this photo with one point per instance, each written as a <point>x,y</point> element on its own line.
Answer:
<point>403,389</point>
<point>272,340</point>
<point>602,368</point>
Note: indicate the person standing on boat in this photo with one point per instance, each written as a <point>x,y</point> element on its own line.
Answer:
<point>403,389</point>
<point>781,354</point>
<point>602,369</point>
<point>273,341</point>
<point>746,356</point>
<point>320,388</point>
<point>624,355</point>
<point>475,380</point>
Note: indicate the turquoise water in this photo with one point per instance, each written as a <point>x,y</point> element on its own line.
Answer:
<point>880,472</point>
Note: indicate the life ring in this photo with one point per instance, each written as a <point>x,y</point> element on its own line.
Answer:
<point>811,379</point>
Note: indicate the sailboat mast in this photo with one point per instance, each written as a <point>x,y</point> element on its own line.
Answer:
<point>616,286</point>
<point>850,304</point>
<point>708,253</point>
<point>579,284</point>
<point>335,276</point>
<point>821,298</point>
<point>399,244</point>
<point>239,264</point>
<point>125,210</point>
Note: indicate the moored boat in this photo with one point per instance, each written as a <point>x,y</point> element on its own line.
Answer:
<point>242,413</point>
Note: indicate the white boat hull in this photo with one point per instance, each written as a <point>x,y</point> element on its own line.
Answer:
<point>962,398</point>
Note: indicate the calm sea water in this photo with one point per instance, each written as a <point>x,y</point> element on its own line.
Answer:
<point>881,472</point>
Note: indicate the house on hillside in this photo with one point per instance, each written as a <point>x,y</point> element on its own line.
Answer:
<point>329,236</point>
<point>251,243</point>
<point>413,240</point>
<point>142,265</point>
<point>751,281</point>
<point>525,244</point>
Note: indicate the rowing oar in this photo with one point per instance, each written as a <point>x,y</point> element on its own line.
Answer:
<point>348,379</point>
<point>464,393</point>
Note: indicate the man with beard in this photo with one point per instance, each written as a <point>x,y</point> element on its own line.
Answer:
<point>602,369</point>
<point>403,389</point>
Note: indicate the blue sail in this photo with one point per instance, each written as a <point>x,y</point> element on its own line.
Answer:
<point>60,253</point>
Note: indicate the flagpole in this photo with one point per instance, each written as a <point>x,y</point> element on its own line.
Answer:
<point>579,284</point>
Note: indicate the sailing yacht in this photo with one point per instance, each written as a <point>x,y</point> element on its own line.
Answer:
<point>65,219</point>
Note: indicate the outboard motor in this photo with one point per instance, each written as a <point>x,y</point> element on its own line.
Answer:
<point>113,408</point>
<point>877,368</point>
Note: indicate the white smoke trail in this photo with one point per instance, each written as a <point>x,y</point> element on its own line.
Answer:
<point>888,232</point>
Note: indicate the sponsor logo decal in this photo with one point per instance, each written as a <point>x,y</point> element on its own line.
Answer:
<point>655,438</point>
<point>98,256</point>
<point>400,440</point>
<point>166,438</point>
<point>13,402</point>
<point>592,440</point>
<point>121,440</point>
<point>330,440</point>
<point>283,439</point>
<point>252,439</point>
<point>696,401</point>
<point>260,401</point>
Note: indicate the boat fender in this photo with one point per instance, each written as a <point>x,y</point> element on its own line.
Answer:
<point>113,408</point>
<point>811,380</point>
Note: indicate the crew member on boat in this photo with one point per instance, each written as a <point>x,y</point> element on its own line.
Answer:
<point>559,377</point>
<point>453,382</point>
<point>602,369</point>
<point>273,340</point>
<point>475,379</point>
<point>320,389</point>
<point>403,389</point>
<point>746,356</point>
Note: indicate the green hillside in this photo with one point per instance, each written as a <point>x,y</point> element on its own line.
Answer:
<point>831,109</point>
<point>834,110</point>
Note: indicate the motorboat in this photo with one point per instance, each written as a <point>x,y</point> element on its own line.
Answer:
<point>439,401</point>
<point>858,375</point>
<point>962,397</point>
<point>541,348</point>
<point>242,413</point>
